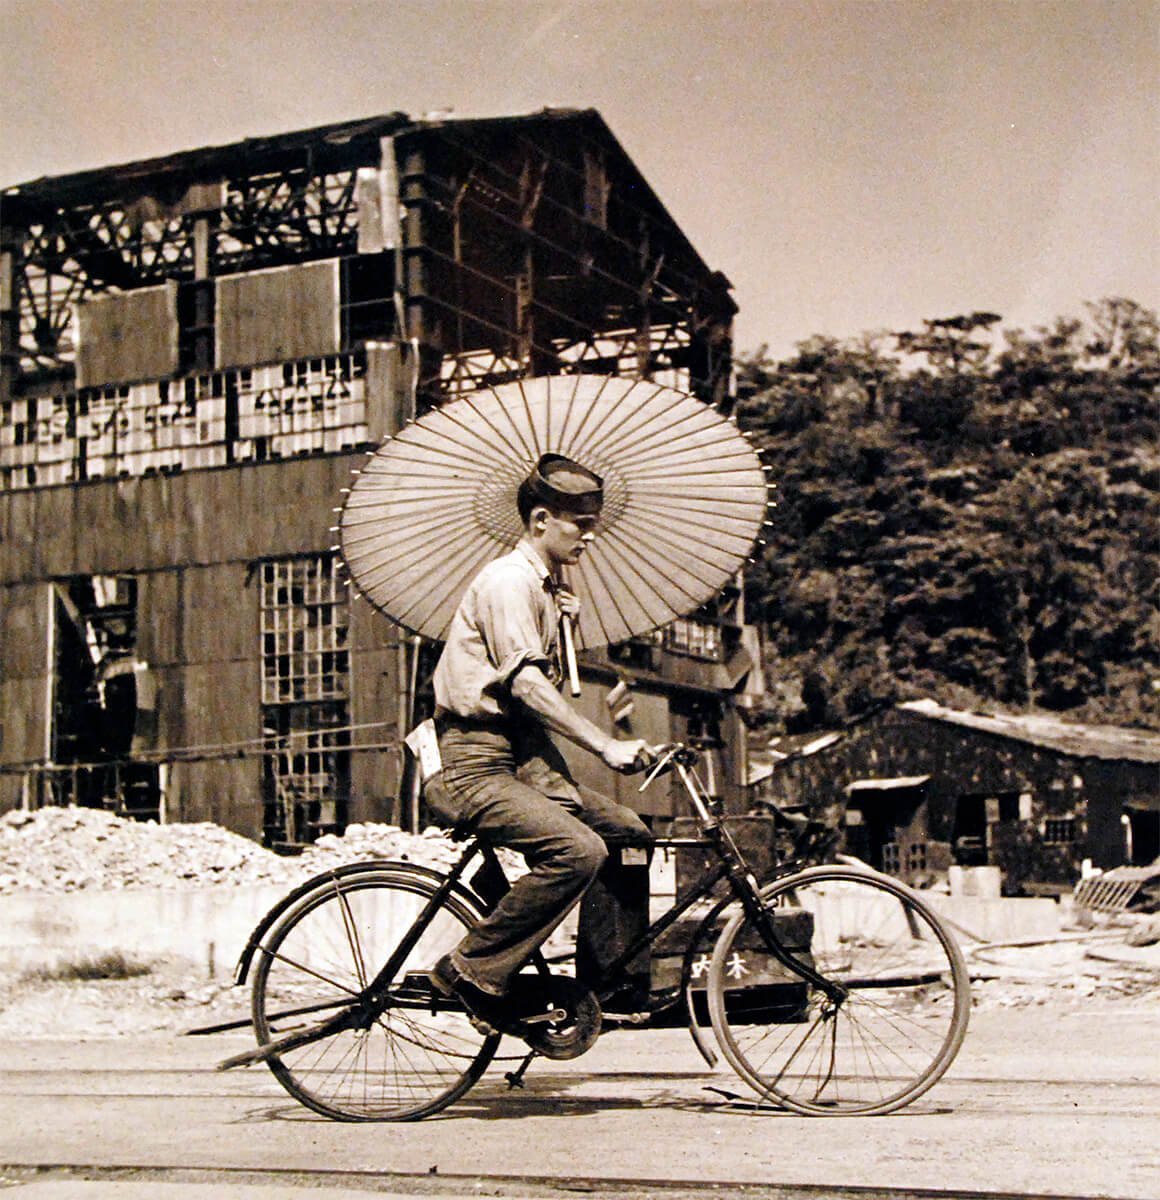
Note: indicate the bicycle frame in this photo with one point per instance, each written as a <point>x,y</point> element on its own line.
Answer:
<point>731,865</point>
<point>375,997</point>
<point>344,988</point>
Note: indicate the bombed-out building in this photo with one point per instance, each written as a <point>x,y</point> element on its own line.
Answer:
<point>195,353</point>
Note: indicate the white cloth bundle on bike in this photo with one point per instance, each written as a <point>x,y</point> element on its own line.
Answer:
<point>423,743</point>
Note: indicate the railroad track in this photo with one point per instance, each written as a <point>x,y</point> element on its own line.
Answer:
<point>512,1187</point>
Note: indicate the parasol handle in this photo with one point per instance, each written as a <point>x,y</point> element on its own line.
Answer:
<point>569,639</point>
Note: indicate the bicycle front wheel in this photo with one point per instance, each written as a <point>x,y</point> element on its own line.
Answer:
<point>897,1023</point>
<point>421,1053</point>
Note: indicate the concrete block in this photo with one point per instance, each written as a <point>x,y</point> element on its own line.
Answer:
<point>997,919</point>
<point>206,927</point>
<point>975,881</point>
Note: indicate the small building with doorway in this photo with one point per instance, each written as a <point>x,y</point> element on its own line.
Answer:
<point>195,353</point>
<point>920,787</point>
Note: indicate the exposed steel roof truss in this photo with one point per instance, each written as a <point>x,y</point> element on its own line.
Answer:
<point>528,246</point>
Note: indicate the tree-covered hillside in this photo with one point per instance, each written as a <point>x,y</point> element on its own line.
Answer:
<point>965,514</point>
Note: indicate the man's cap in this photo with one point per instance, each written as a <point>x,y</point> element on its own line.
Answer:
<point>563,484</point>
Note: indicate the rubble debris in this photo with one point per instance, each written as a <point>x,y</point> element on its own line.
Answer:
<point>71,849</point>
<point>1068,969</point>
<point>1120,889</point>
<point>1145,932</point>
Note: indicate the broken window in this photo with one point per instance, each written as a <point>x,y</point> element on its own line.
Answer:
<point>196,325</point>
<point>1141,835</point>
<point>310,406</point>
<point>969,836</point>
<point>695,639</point>
<point>95,704</point>
<point>367,305</point>
<point>305,699</point>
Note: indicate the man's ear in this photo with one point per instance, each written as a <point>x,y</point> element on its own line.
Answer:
<point>538,518</point>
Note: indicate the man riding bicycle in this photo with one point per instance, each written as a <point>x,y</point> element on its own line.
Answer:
<point>496,705</point>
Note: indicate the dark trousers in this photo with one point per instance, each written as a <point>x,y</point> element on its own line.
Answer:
<point>510,786</point>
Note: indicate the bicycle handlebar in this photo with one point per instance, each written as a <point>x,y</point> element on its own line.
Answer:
<point>662,758</point>
<point>649,758</point>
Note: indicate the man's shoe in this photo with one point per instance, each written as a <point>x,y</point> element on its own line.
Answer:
<point>488,1013</point>
<point>443,976</point>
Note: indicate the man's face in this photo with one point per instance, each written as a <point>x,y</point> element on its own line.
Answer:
<point>566,536</point>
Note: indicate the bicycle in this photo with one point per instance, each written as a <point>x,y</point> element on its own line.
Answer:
<point>855,998</point>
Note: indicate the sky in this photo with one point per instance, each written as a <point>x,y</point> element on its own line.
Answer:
<point>850,165</point>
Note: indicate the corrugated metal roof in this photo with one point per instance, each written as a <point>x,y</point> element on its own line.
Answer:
<point>887,785</point>
<point>764,756</point>
<point>1067,737</point>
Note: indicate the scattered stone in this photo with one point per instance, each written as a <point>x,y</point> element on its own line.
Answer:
<point>1066,973</point>
<point>1145,933</point>
<point>74,849</point>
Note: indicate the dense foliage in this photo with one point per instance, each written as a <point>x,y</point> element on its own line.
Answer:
<point>963,514</point>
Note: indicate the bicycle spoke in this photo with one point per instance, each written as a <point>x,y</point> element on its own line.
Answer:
<point>886,1040</point>
<point>419,1052</point>
<point>352,934</point>
<point>299,966</point>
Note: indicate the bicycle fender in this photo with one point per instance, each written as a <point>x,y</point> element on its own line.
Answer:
<point>700,936</point>
<point>695,942</point>
<point>242,969</point>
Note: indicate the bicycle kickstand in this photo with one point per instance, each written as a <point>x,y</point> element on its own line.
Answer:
<point>515,1079</point>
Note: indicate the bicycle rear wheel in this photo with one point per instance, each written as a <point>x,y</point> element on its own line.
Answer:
<point>900,1022</point>
<point>421,1053</point>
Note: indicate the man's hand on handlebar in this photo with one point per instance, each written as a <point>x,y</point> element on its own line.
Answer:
<point>627,756</point>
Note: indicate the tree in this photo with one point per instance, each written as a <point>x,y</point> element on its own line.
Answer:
<point>951,344</point>
<point>1045,358</point>
<point>1124,334</point>
<point>971,525</point>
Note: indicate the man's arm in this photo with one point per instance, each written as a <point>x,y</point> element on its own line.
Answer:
<point>532,688</point>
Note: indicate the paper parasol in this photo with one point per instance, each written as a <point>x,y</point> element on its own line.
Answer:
<point>684,500</point>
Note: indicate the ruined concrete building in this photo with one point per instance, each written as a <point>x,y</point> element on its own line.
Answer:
<point>196,350</point>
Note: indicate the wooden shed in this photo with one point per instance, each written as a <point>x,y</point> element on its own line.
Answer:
<point>920,787</point>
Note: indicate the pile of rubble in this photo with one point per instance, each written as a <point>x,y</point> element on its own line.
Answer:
<point>70,849</point>
<point>1118,960</point>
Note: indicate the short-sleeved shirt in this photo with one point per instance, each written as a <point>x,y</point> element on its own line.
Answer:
<point>506,620</point>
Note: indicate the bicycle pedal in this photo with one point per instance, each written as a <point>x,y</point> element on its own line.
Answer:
<point>552,1016</point>
<point>417,983</point>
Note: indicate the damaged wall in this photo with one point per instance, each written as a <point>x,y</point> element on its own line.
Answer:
<point>251,318</point>
<point>191,543</point>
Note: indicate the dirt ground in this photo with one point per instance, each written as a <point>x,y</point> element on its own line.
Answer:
<point>1097,968</point>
